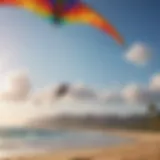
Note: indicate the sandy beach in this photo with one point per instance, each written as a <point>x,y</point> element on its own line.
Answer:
<point>145,147</point>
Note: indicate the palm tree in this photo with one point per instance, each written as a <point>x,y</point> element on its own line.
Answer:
<point>152,110</point>
<point>153,114</point>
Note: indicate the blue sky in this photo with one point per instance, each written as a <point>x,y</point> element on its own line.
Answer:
<point>79,53</point>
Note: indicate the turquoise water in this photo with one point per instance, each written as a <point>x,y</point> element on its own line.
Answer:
<point>18,140</point>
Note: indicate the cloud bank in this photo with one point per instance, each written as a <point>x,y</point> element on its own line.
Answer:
<point>18,88</point>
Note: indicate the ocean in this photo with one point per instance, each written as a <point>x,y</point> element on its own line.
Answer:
<point>17,141</point>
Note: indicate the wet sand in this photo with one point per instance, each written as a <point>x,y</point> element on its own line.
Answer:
<point>145,147</point>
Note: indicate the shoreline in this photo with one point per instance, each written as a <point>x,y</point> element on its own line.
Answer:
<point>144,144</point>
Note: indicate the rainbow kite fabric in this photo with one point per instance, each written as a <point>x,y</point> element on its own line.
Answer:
<point>66,12</point>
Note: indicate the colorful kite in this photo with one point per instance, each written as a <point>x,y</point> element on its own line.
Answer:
<point>66,12</point>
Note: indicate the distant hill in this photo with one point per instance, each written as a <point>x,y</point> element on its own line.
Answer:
<point>101,121</point>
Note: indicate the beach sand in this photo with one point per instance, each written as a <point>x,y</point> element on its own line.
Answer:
<point>145,147</point>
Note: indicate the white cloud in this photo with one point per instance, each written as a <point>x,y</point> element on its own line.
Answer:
<point>82,92</point>
<point>138,54</point>
<point>17,86</point>
<point>111,97</point>
<point>155,82</point>
<point>136,94</point>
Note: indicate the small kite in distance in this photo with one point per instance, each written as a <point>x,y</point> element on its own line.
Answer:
<point>62,90</point>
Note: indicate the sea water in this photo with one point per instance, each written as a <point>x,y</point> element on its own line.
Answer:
<point>17,141</point>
